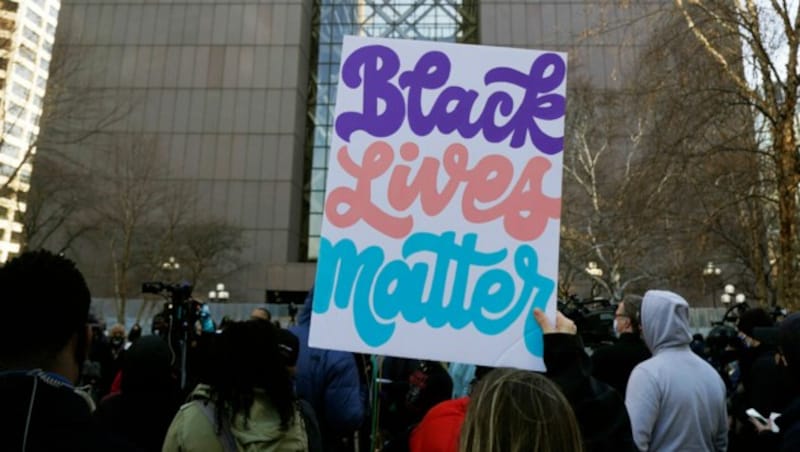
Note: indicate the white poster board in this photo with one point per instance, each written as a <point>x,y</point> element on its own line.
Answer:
<point>442,210</point>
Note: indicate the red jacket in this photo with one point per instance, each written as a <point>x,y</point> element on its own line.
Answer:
<point>440,428</point>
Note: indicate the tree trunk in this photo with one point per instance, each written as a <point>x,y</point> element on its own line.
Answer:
<point>785,148</point>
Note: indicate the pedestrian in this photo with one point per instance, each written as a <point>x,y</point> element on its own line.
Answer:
<point>330,381</point>
<point>41,409</point>
<point>676,400</point>
<point>614,363</point>
<point>248,403</point>
<point>149,397</point>
<point>599,409</point>
<point>517,410</point>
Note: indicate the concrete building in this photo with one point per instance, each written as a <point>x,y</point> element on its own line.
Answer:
<point>239,95</point>
<point>27,33</point>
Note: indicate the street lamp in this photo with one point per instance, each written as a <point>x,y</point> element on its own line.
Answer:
<point>710,271</point>
<point>169,266</point>
<point>220,294</point>
<point>595,272</point>
<point>729,296</point>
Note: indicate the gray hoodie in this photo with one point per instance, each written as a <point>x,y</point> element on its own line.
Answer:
<point>676,401</point>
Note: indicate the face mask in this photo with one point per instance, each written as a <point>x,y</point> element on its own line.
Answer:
<point>616,331</point>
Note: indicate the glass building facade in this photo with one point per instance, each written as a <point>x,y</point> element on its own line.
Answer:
<point>439,20</point>
<point>238,96</point>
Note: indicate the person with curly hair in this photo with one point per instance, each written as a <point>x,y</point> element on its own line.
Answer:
<point>248,403</point>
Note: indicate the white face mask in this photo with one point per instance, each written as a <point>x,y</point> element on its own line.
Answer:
<point>616,330</point>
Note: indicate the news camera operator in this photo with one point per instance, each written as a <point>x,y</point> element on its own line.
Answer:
<point>186,325</point>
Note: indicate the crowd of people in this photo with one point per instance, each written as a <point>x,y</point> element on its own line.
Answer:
<point>254,386</point>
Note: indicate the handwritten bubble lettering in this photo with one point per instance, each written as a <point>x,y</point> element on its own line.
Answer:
<point>381,292</point>
<point>525,211</point>
<point>374,68</point>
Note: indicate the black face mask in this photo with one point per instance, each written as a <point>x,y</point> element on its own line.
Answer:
<point>117,342</point>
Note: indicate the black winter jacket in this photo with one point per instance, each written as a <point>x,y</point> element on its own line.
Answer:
<point>599,409</point>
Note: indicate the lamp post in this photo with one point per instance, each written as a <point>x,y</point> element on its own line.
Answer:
<point>219,295</point>
<point>729,296</point>
<point>594,272</point>
<point>170,266</point>
<point>709,272</point>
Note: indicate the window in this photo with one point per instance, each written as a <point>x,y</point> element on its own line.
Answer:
<point>25,176</point>
<point>54,12</point>
<point>16,237</point>
<point>13,130</point>
<point>413,19</point>
<point>51,29</point>
<point>6,170</point>
<point>15,110</point>
<point>41,82</point>
<point>47,45</point>
<point>44,63</point>
<point>20,91</point>
<point>37,101</point>
<point>9,150</point>
<point>35,18</point>
<point>27,53</point>
<point>39,3</point>
<point>23,72</point>
<point>30,35</point>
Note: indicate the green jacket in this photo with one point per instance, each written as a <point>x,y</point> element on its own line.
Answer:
<point>192,431</point>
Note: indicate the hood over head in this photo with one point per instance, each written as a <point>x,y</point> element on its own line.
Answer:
<point>665,320</point>
<point>305,314</point>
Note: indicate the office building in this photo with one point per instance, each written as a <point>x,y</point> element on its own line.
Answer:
<point>27,33</point>
<point>239,97</point>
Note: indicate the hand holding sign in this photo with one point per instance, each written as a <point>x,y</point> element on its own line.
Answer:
<point>442,216</point>
<point>563,323</point>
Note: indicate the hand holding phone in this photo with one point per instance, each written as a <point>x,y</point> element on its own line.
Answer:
<point>761,423</point>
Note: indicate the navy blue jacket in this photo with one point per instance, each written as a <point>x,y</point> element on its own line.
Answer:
<point>329,380</point>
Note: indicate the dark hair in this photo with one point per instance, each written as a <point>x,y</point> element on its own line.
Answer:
<point>753,318</point>
<point>147,368</point>
<point>238,372</point>
<point>135,333</point>
<point>289,346</point>
<point>265,311</point>
<point>46,290</point>
<point>632,307</point>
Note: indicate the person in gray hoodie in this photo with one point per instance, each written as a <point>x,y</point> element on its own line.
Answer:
<point>676,401</point>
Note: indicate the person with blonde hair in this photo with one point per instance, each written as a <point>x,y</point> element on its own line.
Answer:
<point>516,410</point>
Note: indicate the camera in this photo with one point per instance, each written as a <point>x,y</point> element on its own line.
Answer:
<point>175,292</point>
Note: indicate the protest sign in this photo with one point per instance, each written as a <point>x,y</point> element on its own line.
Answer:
<point>443,202</point>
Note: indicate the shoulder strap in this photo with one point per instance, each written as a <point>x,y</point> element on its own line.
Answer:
<point>225,435</point>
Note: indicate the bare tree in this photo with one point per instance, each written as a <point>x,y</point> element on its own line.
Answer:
<point>614,191</point>
<point>764,76</point>
<point>132,184</point>
<point>62,194</point>
<point>210,250</point>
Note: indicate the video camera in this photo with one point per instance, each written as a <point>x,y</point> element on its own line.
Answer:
<point>181,311</point>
